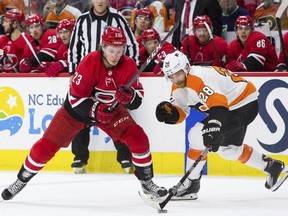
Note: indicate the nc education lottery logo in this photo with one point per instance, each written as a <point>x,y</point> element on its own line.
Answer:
<point>273,101</point>
<point>11,111</point>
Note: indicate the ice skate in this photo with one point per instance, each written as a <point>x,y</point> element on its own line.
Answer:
<point>273,171</point>
<point>150,188</point>
<point>79,167</point>
<point>188,190</point>
<point>127,166</point>
<point>13,190</point>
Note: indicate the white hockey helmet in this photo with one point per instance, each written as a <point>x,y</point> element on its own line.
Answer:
<point>175,62</point>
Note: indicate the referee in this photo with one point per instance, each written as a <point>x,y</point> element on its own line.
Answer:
<point>85,38</point>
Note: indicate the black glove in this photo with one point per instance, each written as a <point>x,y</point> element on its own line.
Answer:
<point>212,136</point>
<point>166,112</point>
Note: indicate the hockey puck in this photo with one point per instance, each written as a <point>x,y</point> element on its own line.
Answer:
<point>162,210</point>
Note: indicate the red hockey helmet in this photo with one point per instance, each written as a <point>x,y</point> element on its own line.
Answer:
<point>35,18</point>
<point>145,12</point>
<point>150,34</point>
<point>244,21</point>
<point>199,22</point>
<point>65,24</point>
<point>114,36</point>
<point>15,14</point>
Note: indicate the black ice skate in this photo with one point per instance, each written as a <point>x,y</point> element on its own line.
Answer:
<point>79,167</point>
<point>188,190</point>
<point>13,190</point>
<point>273,171</point>
<point>150,188</point>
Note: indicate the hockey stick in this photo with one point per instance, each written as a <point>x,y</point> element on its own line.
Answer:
<point>27,42</point>
<point>278,15</point>
<point>213,43</point>
<point>173,190</point>
<point>149,59</point>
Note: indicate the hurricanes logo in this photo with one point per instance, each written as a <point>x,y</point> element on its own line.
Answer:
<point>11,111</point>
<point>270,94</point>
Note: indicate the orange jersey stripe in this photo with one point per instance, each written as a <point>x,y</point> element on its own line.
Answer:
<point>194,154</point>
<point>246,154</point>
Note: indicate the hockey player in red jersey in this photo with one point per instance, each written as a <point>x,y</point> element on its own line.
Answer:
<point>201,49</point>
<point>151,40</point>
<point>282,62</point>
<point>98,81</point>
<point>44,42</point>
<point>251,50</point>
<point>64,29</point>
<point>224,128</point>
<point>12,43</point>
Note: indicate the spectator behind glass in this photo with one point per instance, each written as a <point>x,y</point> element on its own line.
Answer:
<point>151,40</point>
<point>12,43</point>
<point>143,20</point>
<point>61,11</point>
<point>44,42</point>
<point>282,62</point>
<point>249,5</point>
<point>159,11</point>
<point>6,5</point>
<point>231,11</point>
<point>64,30</point>
<point>266,12</point>
<point>211,8</point>
<point>251,50</point>
<point>200,47</point>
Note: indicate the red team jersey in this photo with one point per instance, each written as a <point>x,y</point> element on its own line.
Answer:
<point>49,44</point>
<point>100,83</point>
<point>205,54</point>
<point>62,53</point>
<point>165,49</point>
<point>258,46</point>
<point>13,50</point>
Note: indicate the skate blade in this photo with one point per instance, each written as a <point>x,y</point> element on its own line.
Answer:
<point>280,182</point>
<point>151,200</point>
<point>81,170</point>
<point>187,197</point>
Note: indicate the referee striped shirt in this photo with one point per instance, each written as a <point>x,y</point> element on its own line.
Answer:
<point>86,36</point>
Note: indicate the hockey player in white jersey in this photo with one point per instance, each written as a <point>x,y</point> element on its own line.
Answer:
<point>231,102</point>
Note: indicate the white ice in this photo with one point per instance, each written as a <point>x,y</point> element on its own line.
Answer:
<point>55,194</point>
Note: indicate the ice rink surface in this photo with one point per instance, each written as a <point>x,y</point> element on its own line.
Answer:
<point>55,194</point>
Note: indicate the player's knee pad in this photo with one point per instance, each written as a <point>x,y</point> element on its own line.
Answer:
<point>230,152</point>
<point>136,139</point>
<point>195,136</point>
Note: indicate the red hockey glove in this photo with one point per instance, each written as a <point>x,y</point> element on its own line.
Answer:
<point>103,114</point>
<point>236,66</point>
<point>124,96</point>
<point>44,66</point>
<point>25,66</point>
<point>55,69</point>
<point>167,113</point>
<point>212,136</point>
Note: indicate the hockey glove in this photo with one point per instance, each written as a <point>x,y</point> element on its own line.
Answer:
<point>44,66</point>
<point>124,96</point>
<point>25,66</point>
<point>212,136</point>
<point>158,68</point>
<point>104,114</point>
<point>167,113</point>
<point>236,66</point>
<point>56,68</point>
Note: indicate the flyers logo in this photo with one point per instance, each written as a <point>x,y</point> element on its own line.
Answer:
<point>273,94</point>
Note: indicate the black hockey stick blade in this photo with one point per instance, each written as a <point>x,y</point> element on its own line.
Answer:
<point>155,202</point>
